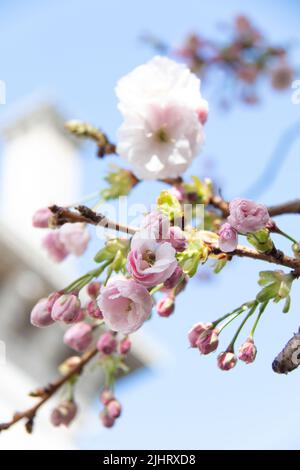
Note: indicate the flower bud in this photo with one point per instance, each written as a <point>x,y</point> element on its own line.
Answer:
<point>93,310</point>
<point>106,396</point>
<point>54,246</point>
<point>195,332</point>
<point>247,351</point>
<point>226,360</point>
<point>107,343</point>
<point>52,299</point>
<point>107,421</point>
<point>261,240</point>
<point>174,278</point>
<point>75,238</point>
<point>228,238</point>
<point>41,315</point>
<point>177,238</point>
<point>165,307</point>
<point>41,217</point>
<point>208,341</point>
<point>64,413</point>
<point>114,409</point>
<point>67,309</point>
<point>124,346</point>
<point>93,289</point>
<point>79,336</point>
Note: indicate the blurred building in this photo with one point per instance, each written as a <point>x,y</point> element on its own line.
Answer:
<point>40,166</point>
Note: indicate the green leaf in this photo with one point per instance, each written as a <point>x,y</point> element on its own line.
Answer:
<point>169,205</point>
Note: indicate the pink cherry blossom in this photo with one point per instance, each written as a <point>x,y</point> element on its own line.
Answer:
<point>75,238</point>
<point>41,217</point>
<point>151,263</point>
<point>125,304</point>
<point>154,226</point>
<point>174,279</point>
<point>54,246</point>
<point>247,216</point>
<point>177,238</point>
<point>79,336</point>
<point>228,238</point>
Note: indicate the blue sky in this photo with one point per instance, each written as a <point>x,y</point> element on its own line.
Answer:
<point>77,50</point>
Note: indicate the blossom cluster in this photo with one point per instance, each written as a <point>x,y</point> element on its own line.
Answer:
<point>69,239</point>
<point>245,217</point>
<point>245,56</point>
<point>162,131</point>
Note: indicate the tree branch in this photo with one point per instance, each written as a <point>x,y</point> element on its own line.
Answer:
<point>291,207</point>
<point>275,257</point>
<point>62,215</point>
<point>46,393</point>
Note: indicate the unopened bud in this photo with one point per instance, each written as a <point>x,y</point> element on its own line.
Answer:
<point>107,343</point>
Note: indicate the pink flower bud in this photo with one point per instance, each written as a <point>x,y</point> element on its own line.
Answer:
<point>228,238</point>
<point>174,278</point>
<point>41,218</point>
<point>52,299</point>
<point>165,307</point>
<point>67,309</point>
<point>208,341</point>
<point>226,360</point>
<point>247,351</point>
<point>247,216</point>
<point>124,346</point>
<point>107,343</point>
<point>177,238</point>
<point>106,396</point>
<point>41,315</point>
<point>114,409</point>
<point>107,421</point>
<point>75,238</point>
<point>196,331</point>
<point>93,310</point>
<point>93,289</point>
<point>79,336</point>
<point>55,248</point>
<point>64,413</point>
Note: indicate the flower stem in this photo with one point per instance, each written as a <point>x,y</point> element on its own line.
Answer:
<point>156,288</point>
<point>251,311</point>
<point>240,309</point>
<point>286,235</point>
<point>261,311</point>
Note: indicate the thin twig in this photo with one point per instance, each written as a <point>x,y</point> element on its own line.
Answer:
<point>47,392</point>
